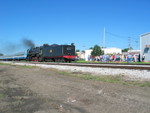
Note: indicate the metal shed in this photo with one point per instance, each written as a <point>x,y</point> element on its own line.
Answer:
<point>145,46</point>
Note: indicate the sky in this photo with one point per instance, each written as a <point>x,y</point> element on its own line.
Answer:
<point>81,22</point>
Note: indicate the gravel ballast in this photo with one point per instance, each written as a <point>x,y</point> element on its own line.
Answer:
<point>131,74</point>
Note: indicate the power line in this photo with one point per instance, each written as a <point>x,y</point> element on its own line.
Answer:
<point>119,36</point>
<point>129,40</point>
<point>116,35</point>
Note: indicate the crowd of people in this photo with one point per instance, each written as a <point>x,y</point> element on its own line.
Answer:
<point>118,58</point>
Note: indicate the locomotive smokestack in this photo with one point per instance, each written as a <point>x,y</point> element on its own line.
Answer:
<point>28,43</point>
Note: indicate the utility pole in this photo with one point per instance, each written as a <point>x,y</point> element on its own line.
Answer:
<point>104,40</point>
<point>137,47</point>
<point>129,43</point>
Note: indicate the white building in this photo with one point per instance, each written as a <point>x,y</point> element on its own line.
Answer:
<point>112,50</point>
<point>81,55</point>
<point>106,51</point>
<point>145,46</point>
<point>88,54</point>
<point>134,51</point>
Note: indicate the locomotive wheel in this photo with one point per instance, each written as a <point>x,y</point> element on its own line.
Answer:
<point>62,60</point>
<point>40,59</point>
<point>53,59</point>
<point>29,59</point>
<point>66,60</point>
<point>69,60</point>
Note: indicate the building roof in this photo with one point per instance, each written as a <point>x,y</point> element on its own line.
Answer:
<point>111,48</point>
<point>145,34</point>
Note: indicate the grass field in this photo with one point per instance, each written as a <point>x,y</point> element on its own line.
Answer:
<point>83,61</point>
<point>118,79</point>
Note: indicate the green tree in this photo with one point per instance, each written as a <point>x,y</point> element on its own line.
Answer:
<point>126,49</point>
<point>83,51</point>
<point>77,50</point>
<point>1,54</point>
<point>97,51</point>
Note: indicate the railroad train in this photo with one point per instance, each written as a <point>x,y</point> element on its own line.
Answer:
<point>55,53</point>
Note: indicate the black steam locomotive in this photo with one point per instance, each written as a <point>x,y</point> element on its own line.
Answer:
<point>55,53</point>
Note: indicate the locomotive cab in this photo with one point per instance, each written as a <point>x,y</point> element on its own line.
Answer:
<point>69,52</point>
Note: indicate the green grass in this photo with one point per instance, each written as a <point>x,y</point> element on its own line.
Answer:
<point>26,66</point>
<point>138,83</point>
<point>1,63</point>
<point>118,79</point>
<point>83,61</point>
<point>2,95</point>
<point>23,66</point>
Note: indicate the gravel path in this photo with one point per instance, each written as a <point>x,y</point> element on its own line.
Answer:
<point>142,75</point>
<point>37,90</point>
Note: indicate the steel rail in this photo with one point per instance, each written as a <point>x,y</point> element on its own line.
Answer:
<point>129,66</point>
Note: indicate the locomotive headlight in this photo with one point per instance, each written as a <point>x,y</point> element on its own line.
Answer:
<point>50,50</point>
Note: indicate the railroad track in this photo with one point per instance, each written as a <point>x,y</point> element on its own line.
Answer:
<point>95,65</point>
<point>120,66</point>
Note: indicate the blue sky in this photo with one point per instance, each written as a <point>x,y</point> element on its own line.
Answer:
<point>78,21</point>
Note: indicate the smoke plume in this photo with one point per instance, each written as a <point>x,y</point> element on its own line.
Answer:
<point>28,43</point>
<point>9,48</point>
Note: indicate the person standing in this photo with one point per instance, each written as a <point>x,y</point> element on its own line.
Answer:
<point>129,58</point>
<point>139,58</point>
<point>143,57</point>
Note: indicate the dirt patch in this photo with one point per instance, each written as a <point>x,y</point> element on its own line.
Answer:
<point>36,90</point>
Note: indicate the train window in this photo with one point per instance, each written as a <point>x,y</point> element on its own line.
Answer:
<point>69,48</point>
